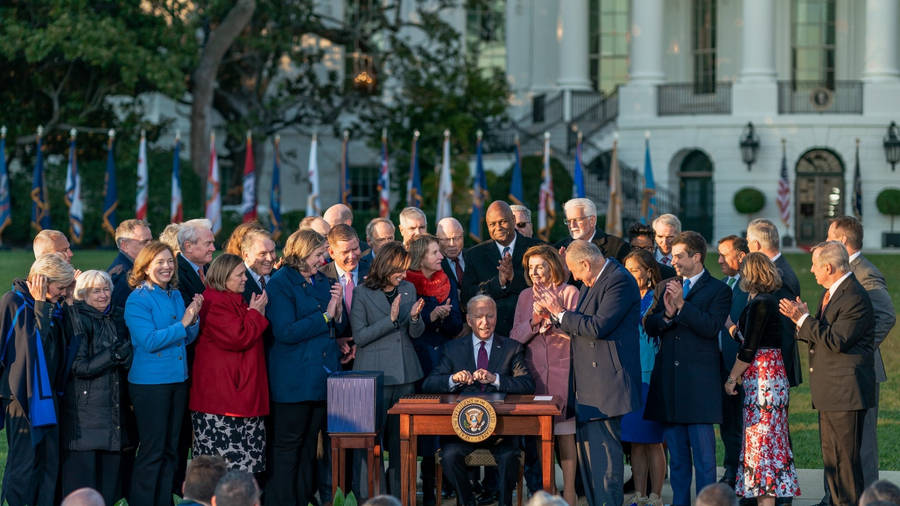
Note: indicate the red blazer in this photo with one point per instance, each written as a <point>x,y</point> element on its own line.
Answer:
<point>229,375</point>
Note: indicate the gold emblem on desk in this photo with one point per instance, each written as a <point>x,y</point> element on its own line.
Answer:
<point>474,419</point>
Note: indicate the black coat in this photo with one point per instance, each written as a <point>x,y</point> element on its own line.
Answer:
<point>507,358</point>
<point>189,283</point>
<point>790,289</point>
<point>95,411</point>
<point>119,271</point>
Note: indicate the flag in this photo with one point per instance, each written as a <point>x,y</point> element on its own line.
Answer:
<point>275,196</point>
<point>479,194</point>
<point>40,205</point>
<point>648,199</point>
<point>110,192</point>
<point>213,195</point>
<point>313,207</point>
<point>784,190</point>
<point>5,207</point>
<point>445,186</point>
<point>384,180</point>
<point>176,214</point>
<point>345,171</point>
<point>73,194</point>
<point>578,183</point>
<point>546,200</point>
<point>142,189</point>
<point>516,192</point>
<point>614,211</point>
<point>857,187</point>
<point>414,185</point>
<point>248,204</point>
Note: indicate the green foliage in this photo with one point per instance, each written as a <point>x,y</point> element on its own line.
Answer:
<point>532,168</point>
<point>888,202</point>
<point>341,500</point>
<point>749,200</point>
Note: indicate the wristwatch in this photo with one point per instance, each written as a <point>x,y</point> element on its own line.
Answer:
<point>327,318</point>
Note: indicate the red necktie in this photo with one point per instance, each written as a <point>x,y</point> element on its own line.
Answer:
<point>482,361</point>
<point>459,271</point>
<point>201,274</point>
<point>665,260</point>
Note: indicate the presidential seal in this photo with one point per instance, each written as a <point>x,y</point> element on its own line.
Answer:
<point>474,420</point>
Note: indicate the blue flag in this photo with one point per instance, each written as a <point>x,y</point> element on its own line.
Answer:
<point>578,183</point>
<point>110,193</point>
<point>275,197</point>
<point>479,196</point>
<point>40,206</point>
<point>857,188</point>
<point>648,201</point>
<point>5,207</point>
<point>414,185</point>
<point>516,193</point>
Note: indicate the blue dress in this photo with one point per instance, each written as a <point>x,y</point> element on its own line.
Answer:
<point>635,429</point>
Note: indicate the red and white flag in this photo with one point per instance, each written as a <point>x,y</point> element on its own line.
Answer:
<point>213,195</point>
<point>384,179</point>
<point>784,190</point>
<point>546,200</point>
<point>248,204</point>
<point>175,212</point>
<point>142,188</point>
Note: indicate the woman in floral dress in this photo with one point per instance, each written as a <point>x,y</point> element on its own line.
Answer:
<point>767,468</point>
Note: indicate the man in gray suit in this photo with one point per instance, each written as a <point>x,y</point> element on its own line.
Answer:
<point>849,232</point>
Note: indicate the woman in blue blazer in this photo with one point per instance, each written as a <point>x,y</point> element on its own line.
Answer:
<point>305,314</point>
<point>161,328</point>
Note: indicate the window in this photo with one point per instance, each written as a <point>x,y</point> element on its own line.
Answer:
<point>486,34</point>
<point>363,188</point>
<point>812,44</point>
<point>608,44</point>
<point>704,46</point>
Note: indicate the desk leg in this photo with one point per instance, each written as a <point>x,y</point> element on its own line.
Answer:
<point>335,465</point>
<point>546,423</point>
<point>404,461</point>
<point>413,457</point>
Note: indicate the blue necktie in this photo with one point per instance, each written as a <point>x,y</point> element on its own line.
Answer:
<point>505,251</point>
<point>686,288</point>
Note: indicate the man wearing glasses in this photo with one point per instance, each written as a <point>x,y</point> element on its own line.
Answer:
<point>450,239</point>
<point>523,220</point>
<point>581,218</point>
<point>131,237</point>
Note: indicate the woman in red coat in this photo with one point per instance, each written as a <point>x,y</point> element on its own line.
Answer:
<point>229,392</point>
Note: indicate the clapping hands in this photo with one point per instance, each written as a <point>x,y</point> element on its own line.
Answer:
<point>259,301</point>
<point>336,303</point>
<point>192,311</point>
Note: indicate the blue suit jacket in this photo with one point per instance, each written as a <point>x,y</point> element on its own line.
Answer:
<point>303,352</point>
<point>605,346</point>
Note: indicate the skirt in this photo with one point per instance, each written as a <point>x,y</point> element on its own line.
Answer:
<point>767,462</point>
<point>636,429</point>
<point>241,441</point>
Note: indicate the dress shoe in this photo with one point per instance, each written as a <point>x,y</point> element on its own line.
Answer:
<point>487,497</point>
<point>628,487</point>
<point>729,480</point>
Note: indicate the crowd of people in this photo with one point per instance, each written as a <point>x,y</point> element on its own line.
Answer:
<point>112,379</point>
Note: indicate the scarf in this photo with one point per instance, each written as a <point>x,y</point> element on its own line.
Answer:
<point>438,286</point>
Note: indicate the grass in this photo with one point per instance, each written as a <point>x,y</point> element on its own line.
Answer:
<point>803,419</point>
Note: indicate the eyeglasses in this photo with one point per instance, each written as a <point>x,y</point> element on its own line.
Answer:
<point>450,239</point>
<point>579,221</point>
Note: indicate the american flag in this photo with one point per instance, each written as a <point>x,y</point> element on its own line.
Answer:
<point>784,190</point>
<point>384,179</point>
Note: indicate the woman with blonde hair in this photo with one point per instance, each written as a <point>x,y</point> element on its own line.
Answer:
<point>547,349</point>
<point>766,468</point>
<point>97,416</point>
<point>229,388</point>
<point>305,311</point>
<point>161,328</point>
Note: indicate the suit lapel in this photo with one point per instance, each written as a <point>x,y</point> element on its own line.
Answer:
<point>496,355</point>
<point>470,356</point>
<point>699,284</point>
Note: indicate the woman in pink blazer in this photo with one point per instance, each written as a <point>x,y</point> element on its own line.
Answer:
<point>548,350</point>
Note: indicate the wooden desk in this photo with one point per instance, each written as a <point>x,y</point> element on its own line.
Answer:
<point>518,415</point>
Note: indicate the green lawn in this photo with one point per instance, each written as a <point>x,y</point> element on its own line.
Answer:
<point>804,429</point>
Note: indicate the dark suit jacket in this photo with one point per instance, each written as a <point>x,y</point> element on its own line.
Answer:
<point>873,281</point>
<point>790,289</point>
<point>330,272</point>
<point>686,372</point>
<point>841,372</point>
<point>605,346</point>
<point>666,271</point>
<point>481,276</point>
<point>119,271</point>
<point>450,270</point>
<point>730,347</point>
<point>610,245</point>
<point>507,358</point>
<point>189,283</point>
<point>251,286</point>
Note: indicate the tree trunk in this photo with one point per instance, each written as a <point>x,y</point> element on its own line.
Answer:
<point>204,80</point>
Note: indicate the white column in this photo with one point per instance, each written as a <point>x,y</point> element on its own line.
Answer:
<point>647,42</point>
<point>881,41</point>
<point>572,36</point>
<point>758,41</point>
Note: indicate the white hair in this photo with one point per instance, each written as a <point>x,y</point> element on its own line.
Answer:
<point>90,279</point>
<point>765,232</point>
<point>189,231</point>
<point>668,219</point>
<point>590,209</point>
<point>833,253</point>
<point>474,301</point>
<point>516,208</point>
<point>410,213</point>
<point>580,250</point>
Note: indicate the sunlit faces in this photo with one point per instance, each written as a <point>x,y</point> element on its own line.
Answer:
<point>345,254</point>
<point>729,258</point>
<point>61,246</point>
<point>685,265</point>
<point>450,236</point>
<point>133,245</point>
<point>482,318</point>
<point>315,259</point>
<point>539,271</point>
<point>382,233</point>
<point>201,251</point>
<point>665,235</point>
<point>641,275</point>
<point>260,257</point>
<point>822,271</point>
<point>161,268</point>
<point>98,296</point>
<point>56,292</point>
<point>395,278</point>
<point>432,259</point>
<point>236,280</point>
<point>581,226</point>
<point>523,224</point>
<point>644,242</point>
<point>412,227</point>
<point>500,224</point>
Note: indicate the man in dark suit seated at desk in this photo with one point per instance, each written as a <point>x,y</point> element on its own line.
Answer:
<point>482,363</point>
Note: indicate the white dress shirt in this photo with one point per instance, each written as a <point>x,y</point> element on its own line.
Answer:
<point>476,346</point>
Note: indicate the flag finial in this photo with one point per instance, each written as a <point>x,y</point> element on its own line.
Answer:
<point>646,134</point>
<point>616,136</point>
<point>383,133</point>
<point>72,133</point>
<point>143,133</point>
<point>277,138</point>
<point>857,142</point>
<point>177,135</point>
<point>346,134</point>
<point>111,134</point>
<point>40,131</point>
<point>416,134</point>
<point>212,138</point>
<point>3,132</point>
<point>446,132</point>
<point>547,135</point>
<point>580,136</point>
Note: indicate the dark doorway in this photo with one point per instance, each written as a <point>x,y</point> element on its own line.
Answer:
<point>696,194</point>
<point>819,192</point>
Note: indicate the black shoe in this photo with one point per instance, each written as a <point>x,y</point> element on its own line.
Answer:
<point>729,479</point>
<point>784,500</point>
<point>629,485</point>
<point>487,497</point>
